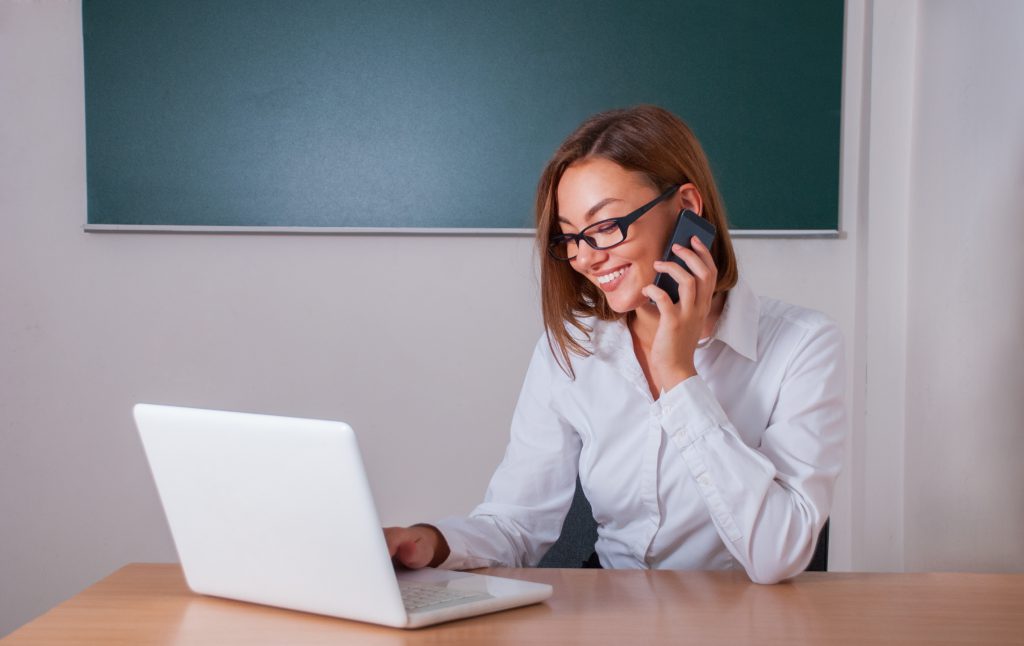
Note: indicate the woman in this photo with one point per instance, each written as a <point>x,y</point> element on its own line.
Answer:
<point>707,433</point>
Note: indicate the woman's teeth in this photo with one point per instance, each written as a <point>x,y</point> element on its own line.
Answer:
<point>607,278</point>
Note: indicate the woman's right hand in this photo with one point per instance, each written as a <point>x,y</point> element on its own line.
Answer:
<point>417,546</point>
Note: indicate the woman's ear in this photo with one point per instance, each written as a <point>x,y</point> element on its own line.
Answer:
<point>688,197</point>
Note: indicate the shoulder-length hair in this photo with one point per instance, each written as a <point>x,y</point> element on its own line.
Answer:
<point>647,139</point>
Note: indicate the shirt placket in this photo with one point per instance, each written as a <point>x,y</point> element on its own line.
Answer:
<point>628,366</point>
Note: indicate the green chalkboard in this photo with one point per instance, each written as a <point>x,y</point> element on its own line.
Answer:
<point>398,115</point>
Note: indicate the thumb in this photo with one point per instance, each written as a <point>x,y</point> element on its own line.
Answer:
<point>413,555</point>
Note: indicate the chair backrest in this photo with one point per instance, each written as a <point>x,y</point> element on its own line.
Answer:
<point>579,534</point>
<point>819,562</point>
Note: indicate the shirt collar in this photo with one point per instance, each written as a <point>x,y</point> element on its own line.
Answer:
<point>738,327</point>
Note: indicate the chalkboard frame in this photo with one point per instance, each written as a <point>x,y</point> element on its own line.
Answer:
<point>419,231</point>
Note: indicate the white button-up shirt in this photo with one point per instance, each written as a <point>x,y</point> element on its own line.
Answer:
<point>732,468</point>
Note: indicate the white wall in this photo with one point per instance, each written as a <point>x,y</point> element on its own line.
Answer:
<point>964,499</point>
<point>421,343</point>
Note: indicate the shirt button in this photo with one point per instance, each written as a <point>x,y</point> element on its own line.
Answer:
<point>704,480</point>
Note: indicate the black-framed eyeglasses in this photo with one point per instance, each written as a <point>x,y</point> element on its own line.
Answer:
<point>601,235</point>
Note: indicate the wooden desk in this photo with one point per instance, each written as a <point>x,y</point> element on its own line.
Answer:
<point>149,604</point>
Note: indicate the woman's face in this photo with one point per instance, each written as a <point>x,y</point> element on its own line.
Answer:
<point>596,189</point>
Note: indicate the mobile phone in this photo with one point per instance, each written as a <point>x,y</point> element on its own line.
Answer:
<point>688,224</point>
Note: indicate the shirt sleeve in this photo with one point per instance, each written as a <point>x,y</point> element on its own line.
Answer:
<point>532,489</point>
<point>769,503</point>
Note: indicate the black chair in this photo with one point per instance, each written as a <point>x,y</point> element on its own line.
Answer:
<point>575,544</point>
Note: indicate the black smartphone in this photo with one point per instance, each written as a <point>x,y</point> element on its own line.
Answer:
<point>688,224</point>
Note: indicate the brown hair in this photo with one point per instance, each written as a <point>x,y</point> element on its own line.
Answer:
<point>644,138</point>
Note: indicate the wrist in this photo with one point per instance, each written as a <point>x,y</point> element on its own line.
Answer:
<point>677,377</point>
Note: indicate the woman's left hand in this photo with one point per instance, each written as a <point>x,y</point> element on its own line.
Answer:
<point>680,324</point>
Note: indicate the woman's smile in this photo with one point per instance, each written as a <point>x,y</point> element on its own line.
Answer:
<point>608,281</point>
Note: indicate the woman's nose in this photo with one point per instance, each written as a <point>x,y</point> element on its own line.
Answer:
<point>586,256</point>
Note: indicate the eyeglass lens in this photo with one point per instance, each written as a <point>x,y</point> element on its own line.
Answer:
<point>601,235</point>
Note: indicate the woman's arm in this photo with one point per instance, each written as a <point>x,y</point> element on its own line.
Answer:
<point>769,504</point>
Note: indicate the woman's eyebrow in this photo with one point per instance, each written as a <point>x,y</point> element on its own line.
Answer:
<point>594,209</point>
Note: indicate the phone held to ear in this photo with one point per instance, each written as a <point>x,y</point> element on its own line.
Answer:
<point>688,224</point>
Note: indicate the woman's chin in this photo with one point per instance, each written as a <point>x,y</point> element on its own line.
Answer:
<point>623,304</point>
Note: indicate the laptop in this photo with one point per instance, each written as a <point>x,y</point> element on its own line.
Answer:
<point>278,511</point>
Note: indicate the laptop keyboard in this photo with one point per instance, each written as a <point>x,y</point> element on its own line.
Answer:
<point>420,596</point>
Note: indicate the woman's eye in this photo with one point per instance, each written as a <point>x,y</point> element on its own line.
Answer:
<point>607,227</point>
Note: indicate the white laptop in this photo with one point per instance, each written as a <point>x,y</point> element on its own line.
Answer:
<point>278,511</point>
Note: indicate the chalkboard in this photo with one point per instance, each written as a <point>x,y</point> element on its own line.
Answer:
<point>399,115</point>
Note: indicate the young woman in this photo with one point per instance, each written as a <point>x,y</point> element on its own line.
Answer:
<point>707,433</point>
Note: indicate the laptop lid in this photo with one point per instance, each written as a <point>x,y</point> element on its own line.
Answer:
<point>271,510</point>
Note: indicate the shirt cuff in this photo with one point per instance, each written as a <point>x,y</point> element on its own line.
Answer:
<point>458,557</point>
<point>690,410</point>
